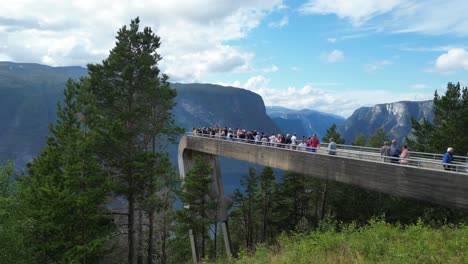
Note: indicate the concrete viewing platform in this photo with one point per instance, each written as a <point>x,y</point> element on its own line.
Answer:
<point>422,179</point>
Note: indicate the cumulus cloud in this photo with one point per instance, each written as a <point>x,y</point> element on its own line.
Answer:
<point>454,59</point>
<point>193,33</point>
<point>335,56</point>
<point>321,97</point>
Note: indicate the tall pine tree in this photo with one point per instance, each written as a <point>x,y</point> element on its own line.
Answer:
<point>65,192</point>
<point>132,102</point>
<point>194,193</point>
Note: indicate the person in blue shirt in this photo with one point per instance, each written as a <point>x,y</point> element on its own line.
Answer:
<point>394,152</point>
<point>448,159</point>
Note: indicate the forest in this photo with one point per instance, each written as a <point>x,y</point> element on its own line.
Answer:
<point>103,189</point>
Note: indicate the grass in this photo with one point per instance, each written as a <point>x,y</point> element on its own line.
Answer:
<point>377,242</point>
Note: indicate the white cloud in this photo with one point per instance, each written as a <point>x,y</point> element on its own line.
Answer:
<point>454,59</point>
<point>283,22</point>
<point>418,86</point>
<point>331,40</point>
<point>358,11</point>
<point>335,56</point>
<point>193,33</point>
<point>273,68</point>
<point>327,100</point>
<point>376,66</point>
<point>434,17</point>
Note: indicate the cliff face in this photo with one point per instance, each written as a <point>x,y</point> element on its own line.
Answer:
<point>203,105</point>
<point>394,118</point>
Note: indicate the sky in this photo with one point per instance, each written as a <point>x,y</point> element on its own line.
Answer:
<point>332,56</point>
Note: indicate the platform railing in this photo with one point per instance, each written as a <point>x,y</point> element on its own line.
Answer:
<point>418,159</point>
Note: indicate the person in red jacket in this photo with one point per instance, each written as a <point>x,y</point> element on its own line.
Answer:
<point>314,143</point>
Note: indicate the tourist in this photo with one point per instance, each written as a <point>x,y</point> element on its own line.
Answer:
<point>314,143</point>
<point>404,155</point>
<point>332,147</point>
<point>385,152</point>
<point>394,152</point>
<point>447,160</point>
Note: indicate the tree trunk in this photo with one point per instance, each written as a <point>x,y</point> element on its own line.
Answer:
<point>215,237</point>
<point>324,197</point>
<point>150,238</point>
<point>140,237</point>
<point>264,224</point>
<point>163,251</point>
<point>130,228</point>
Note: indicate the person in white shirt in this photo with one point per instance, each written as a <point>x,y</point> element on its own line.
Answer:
<point>293,140</point>
<point>303,145</point>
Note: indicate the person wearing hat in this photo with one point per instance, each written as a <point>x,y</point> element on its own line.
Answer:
<point>448,159</point>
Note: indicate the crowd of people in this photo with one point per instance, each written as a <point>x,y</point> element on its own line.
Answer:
<point>291,141</point>
<point>389,152</point>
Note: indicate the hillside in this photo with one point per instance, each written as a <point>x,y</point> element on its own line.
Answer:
<point>28,102</point>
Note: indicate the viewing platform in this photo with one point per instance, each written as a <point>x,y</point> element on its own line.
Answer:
<point>423,178</point>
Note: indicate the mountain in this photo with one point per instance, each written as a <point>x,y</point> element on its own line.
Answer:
<point>394,118</point>
<point>304,122</point>
<point>209,105</point>
<point>28,101</point>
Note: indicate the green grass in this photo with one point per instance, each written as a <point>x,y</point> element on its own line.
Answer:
<point>377,242</point>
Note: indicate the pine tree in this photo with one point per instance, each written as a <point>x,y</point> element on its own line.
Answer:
<point>156,199</point>
<point>449,126</point>
<point>65,192</point>
<point>266,186</point>
<point>294,198</point>
<point>194,193</point>
<point>13,224</point>
<point>332,133</point>
<point>360,140</point>
<point>245,200</point>
<point>132,102</point>
<point>377,139</point>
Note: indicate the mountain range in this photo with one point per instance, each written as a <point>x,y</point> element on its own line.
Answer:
<point>29,94</point>
<point>304,122</point>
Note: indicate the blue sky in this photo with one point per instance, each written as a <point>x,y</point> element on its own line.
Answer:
<point>328,55</point>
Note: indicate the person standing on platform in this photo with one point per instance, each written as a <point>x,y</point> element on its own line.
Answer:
<point>332,147</point>
<point>394,152</point>
<point>385,152</point>
<point>314,143</point>
<point>447,160</point>
<point>404,155</point>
